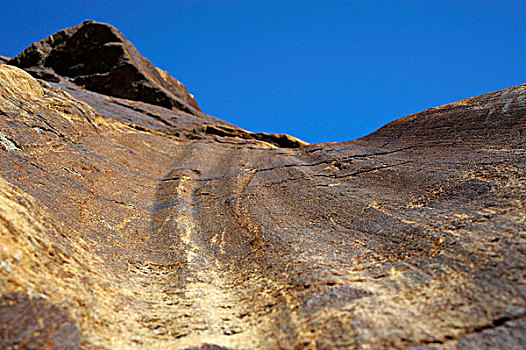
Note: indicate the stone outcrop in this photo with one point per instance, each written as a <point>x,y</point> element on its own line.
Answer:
<point>97,57</point>
<point>125,224</point>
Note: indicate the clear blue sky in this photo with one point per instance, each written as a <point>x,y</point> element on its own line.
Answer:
<point>318,70</point>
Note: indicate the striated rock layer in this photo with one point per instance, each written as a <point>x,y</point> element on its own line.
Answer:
<point>128,225</point>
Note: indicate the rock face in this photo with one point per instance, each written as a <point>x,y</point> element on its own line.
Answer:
<point>97,57</point>
<point>125,224</point>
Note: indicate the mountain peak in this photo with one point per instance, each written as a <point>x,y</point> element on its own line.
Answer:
<point>97,57</point>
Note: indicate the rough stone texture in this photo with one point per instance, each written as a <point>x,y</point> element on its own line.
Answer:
<point>32,324</point>
<point>140,227</point>
<point>98,57</point>
<point>16,82</point>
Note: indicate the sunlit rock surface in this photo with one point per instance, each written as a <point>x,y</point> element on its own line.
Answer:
<point>128,225</point>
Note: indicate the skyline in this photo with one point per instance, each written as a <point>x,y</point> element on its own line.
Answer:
<point>318,72</point>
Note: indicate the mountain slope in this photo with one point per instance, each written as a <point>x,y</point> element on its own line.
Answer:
<point>130,225</point>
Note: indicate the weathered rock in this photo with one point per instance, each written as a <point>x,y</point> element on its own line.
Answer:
<point>136,226</point>
<point>33,324</point>
<point>17,82</point>
<point>98,57</point>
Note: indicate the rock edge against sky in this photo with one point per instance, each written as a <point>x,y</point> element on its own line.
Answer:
<point>132,220</point>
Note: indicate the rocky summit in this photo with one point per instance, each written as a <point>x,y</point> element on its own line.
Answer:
<point>130,219</point>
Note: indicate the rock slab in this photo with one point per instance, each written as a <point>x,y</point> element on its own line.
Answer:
<point>132,224</point>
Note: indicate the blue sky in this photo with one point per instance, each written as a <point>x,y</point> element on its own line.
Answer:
<point>319,70</point>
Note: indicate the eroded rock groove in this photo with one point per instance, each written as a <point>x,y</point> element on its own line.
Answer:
<point>143,223</point>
